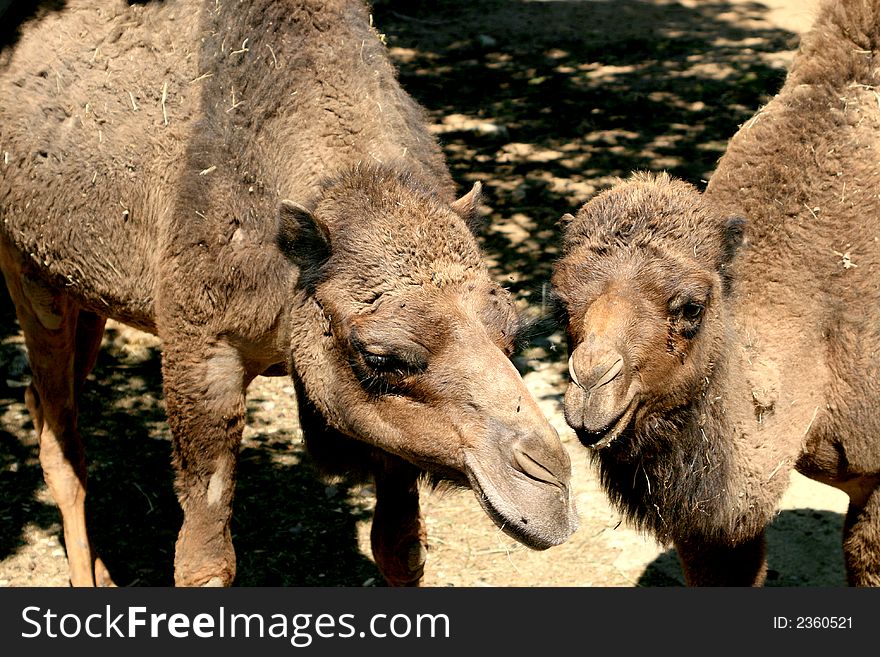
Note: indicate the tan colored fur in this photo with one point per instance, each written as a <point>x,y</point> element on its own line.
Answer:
<point>249,181</point>
<point>782,371</point>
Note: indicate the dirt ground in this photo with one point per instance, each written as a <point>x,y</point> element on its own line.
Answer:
<point>545,102</point>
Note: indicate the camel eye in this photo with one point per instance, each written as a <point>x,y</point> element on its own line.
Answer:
<point>383,366</point>
<point>692,312</point>
<point>382,363</point>
<point>380,373</point>
<point>686,316</point>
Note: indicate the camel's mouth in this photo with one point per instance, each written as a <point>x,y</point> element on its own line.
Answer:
<point>604,436</point>
<point>524,499</point>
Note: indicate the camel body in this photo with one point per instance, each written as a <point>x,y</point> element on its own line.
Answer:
<point>249,182</point>
<point>721,340</point>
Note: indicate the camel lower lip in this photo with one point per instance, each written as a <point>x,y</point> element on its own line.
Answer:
<point>604,437</point>
<point>514,531</point>
<point>539,517</point>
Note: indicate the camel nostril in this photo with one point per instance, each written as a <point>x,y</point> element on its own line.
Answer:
<point>571,371</point>
<point>610,374</point>
<point>533,468</point>
<point>595,370</point>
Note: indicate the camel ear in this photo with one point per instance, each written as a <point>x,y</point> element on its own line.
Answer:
<point>468,207</point>
<point>734,238</point>
<point>301,236</point>
<point>564,224</point>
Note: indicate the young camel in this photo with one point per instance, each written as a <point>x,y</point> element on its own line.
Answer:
<point>705,366</point>
<point>250,183</point>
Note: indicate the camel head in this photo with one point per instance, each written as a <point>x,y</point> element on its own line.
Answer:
<point>643,280</point>
<point>407,344</point>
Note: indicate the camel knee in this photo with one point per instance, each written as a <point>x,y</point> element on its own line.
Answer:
<point>204,555</point>
<point>63,466</point>
<point>399,542</point>
<point>203,559</point>
<point>402,561</point>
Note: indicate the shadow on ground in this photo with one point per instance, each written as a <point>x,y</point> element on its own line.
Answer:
<point>803,547</point>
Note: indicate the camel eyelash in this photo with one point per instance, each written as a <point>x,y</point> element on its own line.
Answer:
<point>376,373</point>
<point>383,373</point>
<point>382,362</point>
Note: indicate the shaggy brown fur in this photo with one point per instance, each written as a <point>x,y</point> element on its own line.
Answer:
<point>702,377</point>
<point>149,150</point>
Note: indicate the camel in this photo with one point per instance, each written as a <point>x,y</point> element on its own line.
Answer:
<point>719,340</point>
<point>250,183</point>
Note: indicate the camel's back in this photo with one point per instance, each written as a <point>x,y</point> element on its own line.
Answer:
<point>96,102</point>
<point>805,174</point>
<point>149,141</point>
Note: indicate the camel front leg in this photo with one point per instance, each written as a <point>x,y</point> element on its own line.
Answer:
<point>205,395</point>
<point>398,536</point>
<point>716,564</point>
<point>861,542</point>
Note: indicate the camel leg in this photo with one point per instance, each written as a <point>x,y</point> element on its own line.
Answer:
<point>861,542</point>
<point>705,564</point>
<point>205,396</point>
<point>62,344</point>
<point>89,334</point>
<point>398,535</point>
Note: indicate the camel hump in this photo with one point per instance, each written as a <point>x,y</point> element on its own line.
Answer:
<point>840,47</point>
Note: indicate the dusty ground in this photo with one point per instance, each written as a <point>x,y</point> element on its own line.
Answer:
<point>545,102</point>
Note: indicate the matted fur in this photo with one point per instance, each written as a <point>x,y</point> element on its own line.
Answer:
<point>249,181</point>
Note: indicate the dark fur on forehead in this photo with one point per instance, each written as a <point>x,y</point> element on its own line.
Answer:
<point>373,178</point>
<point>650,210</point>
<point>386,225</point>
